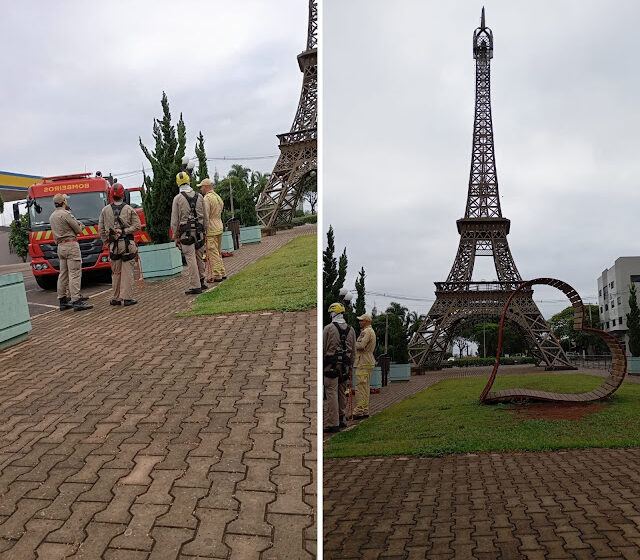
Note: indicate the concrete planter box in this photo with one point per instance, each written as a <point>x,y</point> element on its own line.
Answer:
<point>160,261</point>
<point>399,372</point>
<point>375,381</point>
<point>633,365</point>
<point>14,315</point>
<point>376,378</point>
<point>250,234</point>
<point>227,242</point>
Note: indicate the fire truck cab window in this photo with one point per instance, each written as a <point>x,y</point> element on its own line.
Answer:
<point>136,199</point>
<point>85,206</point>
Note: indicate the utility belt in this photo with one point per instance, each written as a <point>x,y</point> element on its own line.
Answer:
<point>72,240</point>
<point>122,256</point>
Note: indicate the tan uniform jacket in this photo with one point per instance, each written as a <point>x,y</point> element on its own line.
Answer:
<point>214,206</point>
<point>365,345</point>
<point>64,226</point>
<point>181,212</point>
<point>331,342</point>
<point>130,221</point>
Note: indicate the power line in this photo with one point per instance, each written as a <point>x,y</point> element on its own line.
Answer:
<point>125,174</point>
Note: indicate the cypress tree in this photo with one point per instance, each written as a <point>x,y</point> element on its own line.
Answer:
<point>633,322</point>
<point>166,163</point>
<point>360,301</point>
<point>203,170</point>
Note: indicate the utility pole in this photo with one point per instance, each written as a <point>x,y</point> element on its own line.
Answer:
<point>233,215</point>
<point>386,333</point>
<point>484,342</point>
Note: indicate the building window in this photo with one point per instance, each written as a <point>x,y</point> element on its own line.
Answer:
<point>611,285</point>
<point>607,325</point>
<point>600,292</point>
<point>619,300</point>
<point>614,323</point>
<point>605,291</point>
<point>606,307</point>
<point>601,309</point>
<point>613,304</point>
<point>620,321</point>
<point>635,278</point>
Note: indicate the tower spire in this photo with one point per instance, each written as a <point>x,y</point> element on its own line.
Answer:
<point>482,25</point>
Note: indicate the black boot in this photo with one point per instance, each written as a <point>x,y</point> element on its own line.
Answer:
<point>79,305</point>
<point>331,429</point>
<point>128,302</point>
<point>65,303</point>
<point>203,286</point>
<point>343,424</point>
<point>193,291</point>
<point>115,302</point>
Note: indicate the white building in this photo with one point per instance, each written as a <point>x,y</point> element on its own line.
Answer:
<point>613,294</point>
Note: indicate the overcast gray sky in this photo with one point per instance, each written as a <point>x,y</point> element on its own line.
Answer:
<point>399,86</point>
<point>82,80</point>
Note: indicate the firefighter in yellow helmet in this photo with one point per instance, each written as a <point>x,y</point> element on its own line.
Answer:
<point>338,355</point>
<point>188,222</point>
<point>364,364</point>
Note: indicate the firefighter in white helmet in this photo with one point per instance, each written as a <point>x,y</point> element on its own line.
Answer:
<point>365,362</point>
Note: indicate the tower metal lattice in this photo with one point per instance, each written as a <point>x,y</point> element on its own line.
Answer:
<point>299,147</point>
<point>483,232</point>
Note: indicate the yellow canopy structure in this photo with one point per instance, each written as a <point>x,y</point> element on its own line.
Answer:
<point>13,186</point>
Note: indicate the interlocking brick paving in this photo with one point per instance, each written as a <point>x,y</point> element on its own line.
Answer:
<point>128,433</point>
<point>555,505</point>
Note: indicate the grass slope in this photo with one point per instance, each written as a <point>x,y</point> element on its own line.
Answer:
<point>446,418</point>
<point>285,280</point>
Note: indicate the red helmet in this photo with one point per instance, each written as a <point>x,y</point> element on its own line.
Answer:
<point>117,191</point>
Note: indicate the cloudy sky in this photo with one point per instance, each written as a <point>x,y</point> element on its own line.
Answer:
<point>83,80</point>
<point>399,86</point>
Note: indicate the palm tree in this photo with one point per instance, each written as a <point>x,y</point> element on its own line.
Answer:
<point>239,171</point>
<point>257,184</point>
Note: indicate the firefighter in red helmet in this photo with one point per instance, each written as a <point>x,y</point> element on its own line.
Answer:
<point>117,224</point>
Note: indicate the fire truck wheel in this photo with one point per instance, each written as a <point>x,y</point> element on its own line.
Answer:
<point>47,282</point>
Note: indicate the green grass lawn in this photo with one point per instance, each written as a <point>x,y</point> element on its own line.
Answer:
<point>446,418</point>
<point>285,280</point>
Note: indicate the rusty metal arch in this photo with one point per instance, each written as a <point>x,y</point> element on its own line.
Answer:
<point>610,385</point>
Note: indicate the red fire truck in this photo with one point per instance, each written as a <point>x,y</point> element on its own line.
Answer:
<point>87,196</point>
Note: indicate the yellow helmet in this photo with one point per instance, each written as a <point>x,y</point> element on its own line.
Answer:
<point>336,308</point>
<point>183,178</point>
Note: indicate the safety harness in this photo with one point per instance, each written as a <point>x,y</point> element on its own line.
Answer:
<point>126,256</point>
<point>193,226</point>
<point>339,364</point>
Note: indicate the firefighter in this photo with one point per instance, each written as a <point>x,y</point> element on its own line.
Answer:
<point>214,206</point>
<point>65,230</point>
<point>338,356</point>
<point>365,362</point>
<point>188,222</point>
<point>116,226</point>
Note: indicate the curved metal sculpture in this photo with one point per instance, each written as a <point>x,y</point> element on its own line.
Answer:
<point>611,384</point>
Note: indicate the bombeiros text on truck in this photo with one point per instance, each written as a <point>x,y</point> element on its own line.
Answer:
<point>87,196</point>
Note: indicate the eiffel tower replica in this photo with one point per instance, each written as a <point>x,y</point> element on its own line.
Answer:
<point>278,201</point>
<point>483,232</point>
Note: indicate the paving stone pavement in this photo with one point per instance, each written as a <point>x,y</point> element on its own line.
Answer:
<point>554,505</point>
<point>564,504</point>
<point>128,433</point>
